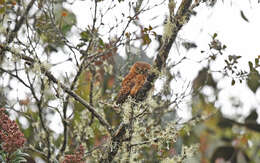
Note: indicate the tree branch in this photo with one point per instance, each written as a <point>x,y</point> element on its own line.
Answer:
<point>116,142</point>
<point>32,61</point>
<point>79,99</point>
<point>181,17</point>
<point>14,75</point>
<point>176,24</point>
<point>19,23</point>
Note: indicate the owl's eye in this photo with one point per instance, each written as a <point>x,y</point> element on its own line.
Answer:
<point>138,69</point>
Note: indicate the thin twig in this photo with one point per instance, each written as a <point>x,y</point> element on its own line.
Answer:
<point>19,23</point>
<point>39,102</point>
<point>14,75</point>
<point>144,142</point>
<point>72,86</point>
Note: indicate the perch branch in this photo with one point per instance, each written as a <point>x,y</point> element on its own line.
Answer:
<point>181,17</point>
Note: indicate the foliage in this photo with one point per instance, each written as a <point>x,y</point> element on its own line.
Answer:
<point>60,82</point>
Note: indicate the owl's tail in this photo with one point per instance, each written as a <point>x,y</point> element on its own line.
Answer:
<point>121,98</point>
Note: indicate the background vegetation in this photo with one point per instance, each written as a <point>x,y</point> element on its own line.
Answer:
<point>59,82</point>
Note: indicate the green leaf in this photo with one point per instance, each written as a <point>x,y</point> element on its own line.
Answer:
<point>250,65</point>
<point>101,42</point>
<point>243,16</point>
<point>145,30</point>
<point>237,57</point>
<point>21,154</point>
<point>85,35</point>
<point>230,57</point>
<point>19,157</point>
<point>55,161</point>
<point>214,35</point>
<point>233,82</point>
<point>256,62</point>
<point>150,27</point>
<point>67,21</point>
<point>253,80</point>
<point>19,160</point>
<point>66,28</point>
<point>2,156</point>
<point>146,39</point>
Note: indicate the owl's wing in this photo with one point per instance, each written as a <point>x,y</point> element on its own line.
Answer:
<point>139,82</point>
<point>126,86</point>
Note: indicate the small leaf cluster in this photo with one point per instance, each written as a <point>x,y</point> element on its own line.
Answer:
<point>17,157</point>
<point>253,79</point>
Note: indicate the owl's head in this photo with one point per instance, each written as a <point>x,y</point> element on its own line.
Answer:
<point>141,68</point>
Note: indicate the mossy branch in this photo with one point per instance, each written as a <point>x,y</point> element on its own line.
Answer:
<point>90,108</point>
<point>182,16</point>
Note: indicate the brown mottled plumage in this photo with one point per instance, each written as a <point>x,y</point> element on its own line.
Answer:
<point>133,81</point>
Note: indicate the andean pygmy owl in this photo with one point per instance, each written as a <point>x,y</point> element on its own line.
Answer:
<point>133,81</point>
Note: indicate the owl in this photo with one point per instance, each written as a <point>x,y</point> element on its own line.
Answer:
<point>133,81</point>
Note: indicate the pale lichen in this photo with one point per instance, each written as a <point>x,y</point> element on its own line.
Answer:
<point>46,65</point>
<point>168,30</point>
<point>187,153</point>
<point>37,68</point>
<point>172,5</point>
